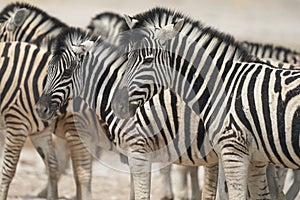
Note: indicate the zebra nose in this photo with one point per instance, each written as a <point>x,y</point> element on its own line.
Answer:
<point>121,106</point>
<point>43,107</point>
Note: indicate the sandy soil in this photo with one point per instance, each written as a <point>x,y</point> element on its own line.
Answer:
<point>255,20</point>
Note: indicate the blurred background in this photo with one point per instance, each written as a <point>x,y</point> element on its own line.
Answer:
<point>267,21</point>
<point>273,21</point>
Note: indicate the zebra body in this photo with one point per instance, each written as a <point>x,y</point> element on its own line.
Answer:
<point>158,130</point>
<point>242,101</point>
<point>23,22</point>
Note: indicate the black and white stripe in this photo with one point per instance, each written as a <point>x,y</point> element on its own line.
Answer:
<point>154,133</point>
<point>23,22</point>
<point>249,108</point>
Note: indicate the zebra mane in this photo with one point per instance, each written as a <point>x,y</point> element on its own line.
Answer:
<point>71,37</point>
<point>10,9</point>
<point>160,17</point>
<point>109,16</point>
<point>246,44</point>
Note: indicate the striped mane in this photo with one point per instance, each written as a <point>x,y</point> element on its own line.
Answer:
<point>159,17</point>
<point>10,9</point>
<point>70,37</point>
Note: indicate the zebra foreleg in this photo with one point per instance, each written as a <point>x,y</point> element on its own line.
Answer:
<point>43,144</point>
<point>63,157</point>
<point>181,189</point>
<point>140,168</point>
<point>12,149</point>
<point>276,178</point>
<point>233,147</point>
<point>82,166</point>
<point>196,192</point>
<point>166,182</point>
<point>257,181</point>
<point>209,190</point>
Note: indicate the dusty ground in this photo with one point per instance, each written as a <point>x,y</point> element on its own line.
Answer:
<point>110,179</point>
<point>274,21</point>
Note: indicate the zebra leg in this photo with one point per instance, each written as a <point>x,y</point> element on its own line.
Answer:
<point>222,191</point>
<point>257,181</point>
<point>43,144</point>
<point>140,168</point>
<point>82,166</point>
<point>14,143</point>
<point>234,151</point>
<point>63,156</point>
<point>2,141</point>
<point>276,178</point>
<point>209,190</point>
<point>295,188</point>
<point>182,184</point>
<point>165,176</point>
<point>196,192</point>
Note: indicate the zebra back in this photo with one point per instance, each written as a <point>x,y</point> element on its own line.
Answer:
<point>24,22</point>
<point>270,51</point>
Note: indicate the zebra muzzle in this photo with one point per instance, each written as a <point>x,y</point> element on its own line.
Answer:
<point>121,106</point>
<point>44,107</point>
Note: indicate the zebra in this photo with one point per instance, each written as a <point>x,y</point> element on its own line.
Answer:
<point>109,25</point>
<point>107,63</point>
<point>21,119</point>
<point>223,84</point>
<point>292,57</point>
<point>15,20</point>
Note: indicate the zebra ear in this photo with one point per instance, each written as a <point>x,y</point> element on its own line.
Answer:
<point>18,19</point>
<point>169,31</point>
<point>82,48</point>
<point>130,21</point>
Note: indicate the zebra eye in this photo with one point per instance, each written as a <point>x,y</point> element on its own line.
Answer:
<point>67,74</point>
<point>148,60</point>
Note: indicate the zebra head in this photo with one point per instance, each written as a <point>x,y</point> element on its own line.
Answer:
<point>64,72</point>
<point>146,73</point>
